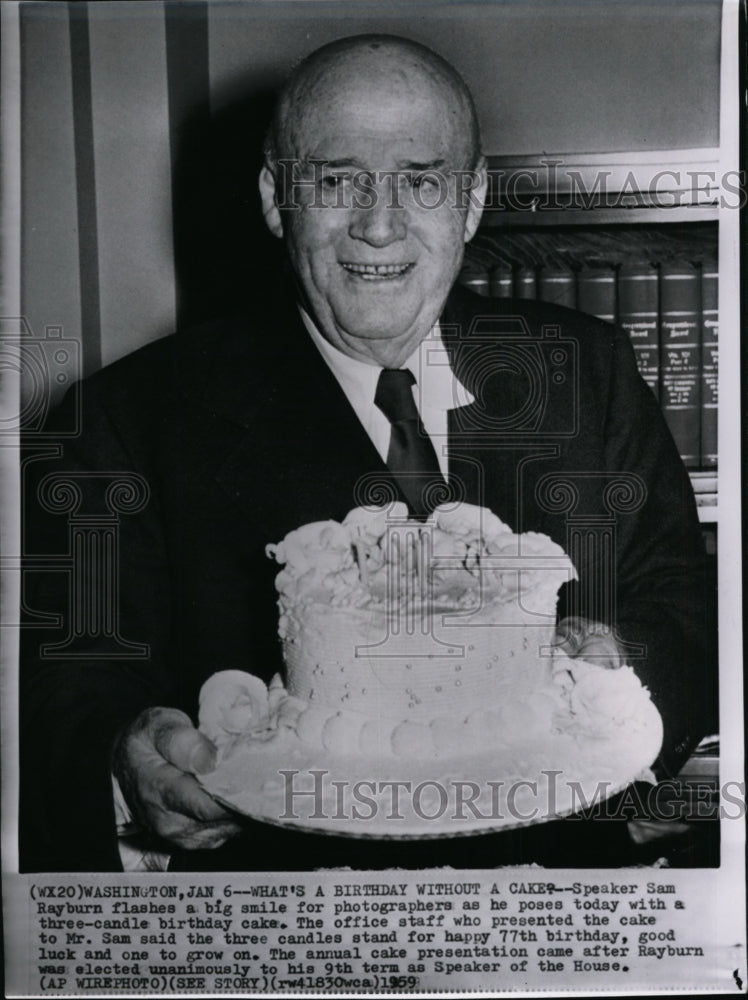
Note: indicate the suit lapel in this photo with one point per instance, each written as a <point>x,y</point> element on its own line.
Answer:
<point>489,455</point>
<point>298,451</point>
<point>475,469</point>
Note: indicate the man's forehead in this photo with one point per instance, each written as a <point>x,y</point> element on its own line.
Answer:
<point>400,150</point>
<point>383,123</point>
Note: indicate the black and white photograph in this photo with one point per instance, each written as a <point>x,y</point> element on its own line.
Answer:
<point>370,427</point>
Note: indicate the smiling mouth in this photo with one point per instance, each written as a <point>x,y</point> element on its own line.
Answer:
<point>377,272</point>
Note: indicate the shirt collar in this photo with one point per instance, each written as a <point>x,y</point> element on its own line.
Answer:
<point>437,387</point>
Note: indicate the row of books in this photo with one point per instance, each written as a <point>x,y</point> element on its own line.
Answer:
<point>660,287</point>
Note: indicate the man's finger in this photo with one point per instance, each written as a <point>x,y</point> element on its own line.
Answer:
<point>565,643</point>
<point>184,747</point>
<point>183,794</point>
<point>205,838</point>
<point>603,651</point>
<point>588,640</point>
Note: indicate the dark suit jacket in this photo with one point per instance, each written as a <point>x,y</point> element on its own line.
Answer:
<point>242,434</point>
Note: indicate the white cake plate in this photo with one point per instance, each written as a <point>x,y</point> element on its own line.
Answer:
<point>287,782</point>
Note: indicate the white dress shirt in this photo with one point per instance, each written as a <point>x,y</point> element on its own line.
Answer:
<point>436,391</point>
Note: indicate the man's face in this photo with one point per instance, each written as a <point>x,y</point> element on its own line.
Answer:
<point>377,237</point>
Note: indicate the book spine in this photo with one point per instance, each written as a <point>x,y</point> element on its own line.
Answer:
<point>557,285</point>
<point>500,282</point>
<point>709,363</point>
<point>596,292</point>
<point>680,357</point>
<point>477,283</point>
<point>638,290</point>
<point>525,283</point>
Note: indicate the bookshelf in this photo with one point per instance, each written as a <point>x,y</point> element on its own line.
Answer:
<point>584,189</point>
<point>576,216</point>
<point>682,187</point>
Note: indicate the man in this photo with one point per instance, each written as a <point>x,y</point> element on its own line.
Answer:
<point>244,430</point>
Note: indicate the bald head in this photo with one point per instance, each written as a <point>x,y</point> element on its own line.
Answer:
<point>376,66</point>
<point>374,146</point>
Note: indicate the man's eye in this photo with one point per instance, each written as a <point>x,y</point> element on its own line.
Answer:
<point>423,181</point>
<point>331,182</point>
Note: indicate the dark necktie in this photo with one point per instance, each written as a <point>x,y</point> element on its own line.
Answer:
<point>411,456</point>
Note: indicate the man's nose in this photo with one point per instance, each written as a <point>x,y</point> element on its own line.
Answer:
<point>379,224</point>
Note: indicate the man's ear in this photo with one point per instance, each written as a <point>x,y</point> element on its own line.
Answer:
<point>270,210</point>
<point>476,200</point>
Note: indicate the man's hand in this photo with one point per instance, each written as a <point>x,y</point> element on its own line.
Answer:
<point>154,761</point>
<point>583,639</point>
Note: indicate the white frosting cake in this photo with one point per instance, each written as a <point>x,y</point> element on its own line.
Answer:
<point>407,643</point>
<point>418,640</point>
<point>399,634</point>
